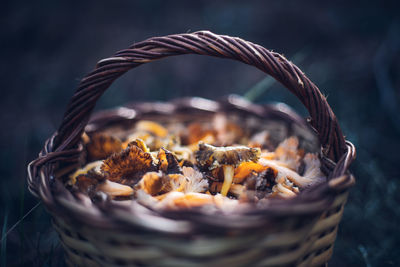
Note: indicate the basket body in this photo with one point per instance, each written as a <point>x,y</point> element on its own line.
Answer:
<point>304,245</point>
<point>296,241</point>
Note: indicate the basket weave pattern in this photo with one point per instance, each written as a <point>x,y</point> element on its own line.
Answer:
<point>299,231</point>
<point>130,250</point>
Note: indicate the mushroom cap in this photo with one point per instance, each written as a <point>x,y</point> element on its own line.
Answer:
<point>128,166</point>
<point>167,162</point>
<point>212,157</point>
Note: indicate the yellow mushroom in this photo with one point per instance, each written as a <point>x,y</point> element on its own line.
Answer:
<point>227,157</point>
<point>151,127</point>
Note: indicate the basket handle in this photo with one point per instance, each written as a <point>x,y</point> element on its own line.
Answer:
<point>79,109</point>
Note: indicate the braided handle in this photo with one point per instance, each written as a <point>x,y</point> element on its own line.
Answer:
<point>91,87</point>
<point>203,43</point>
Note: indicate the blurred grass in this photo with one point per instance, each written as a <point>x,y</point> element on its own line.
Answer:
<point>3,255</point>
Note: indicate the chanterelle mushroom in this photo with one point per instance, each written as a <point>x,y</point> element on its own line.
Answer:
<point>227,157</point>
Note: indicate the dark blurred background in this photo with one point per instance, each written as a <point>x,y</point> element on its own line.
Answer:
<point>350,49</point>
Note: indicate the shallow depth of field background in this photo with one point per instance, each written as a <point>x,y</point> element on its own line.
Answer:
<point>350,50</point>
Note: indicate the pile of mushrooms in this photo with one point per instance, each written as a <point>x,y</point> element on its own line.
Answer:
<point>226,157</point>
<point>189,168</point>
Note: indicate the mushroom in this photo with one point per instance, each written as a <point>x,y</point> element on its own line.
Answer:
<point>228,158</point>
<point>235,189</point>
<point>151,127</point>
<point>128,166</point>
<point>114,189</point>
<point>93,166</point>
<point>246,169</point>
<point>195,181</point>
<point>88,182</point>
<point>158,183</point>
<point>312,173</point>
<point>179,200</point>
<point>287,153</point>
<point>175,200</point>
<point>167,162</point>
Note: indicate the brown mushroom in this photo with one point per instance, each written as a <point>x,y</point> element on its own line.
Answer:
<point>93,166</point>
<point>158,183</point>
<point>228,158</point>
<point>128,166</point>
<point>167,162</point>
<point>88,182</point>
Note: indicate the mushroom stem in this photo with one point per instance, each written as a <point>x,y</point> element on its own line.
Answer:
<point>229,171</point>
<point>235,189</point>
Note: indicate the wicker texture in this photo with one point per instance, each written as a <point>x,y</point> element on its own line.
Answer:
<point>300,246</point>
<point>300,231</point>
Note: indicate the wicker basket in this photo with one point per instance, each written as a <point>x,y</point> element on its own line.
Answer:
<point>299,231</point>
